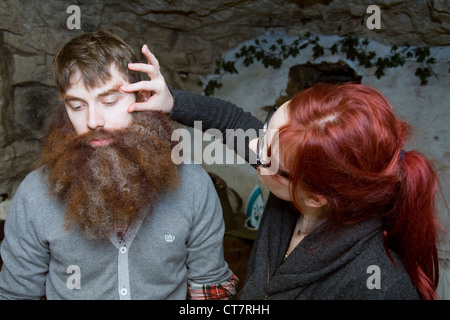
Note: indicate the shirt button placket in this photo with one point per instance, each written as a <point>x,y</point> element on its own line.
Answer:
<point>124,281</point>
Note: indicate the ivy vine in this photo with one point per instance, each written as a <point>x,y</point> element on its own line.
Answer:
<point>351,46</point>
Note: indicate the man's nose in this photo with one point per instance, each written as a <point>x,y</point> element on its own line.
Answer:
<point>95,119</point>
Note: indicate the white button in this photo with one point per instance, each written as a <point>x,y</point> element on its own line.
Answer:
<point>124,291</point>
<point>123,250</point>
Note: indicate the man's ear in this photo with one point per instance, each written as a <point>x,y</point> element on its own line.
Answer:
<point>315,201</point>
<point>143,96</point>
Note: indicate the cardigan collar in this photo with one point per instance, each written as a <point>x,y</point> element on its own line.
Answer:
<point>321,252</point>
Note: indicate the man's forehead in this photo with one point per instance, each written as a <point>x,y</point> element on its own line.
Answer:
<point>114,83</point>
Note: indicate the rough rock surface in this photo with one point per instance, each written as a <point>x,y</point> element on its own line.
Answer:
<point>187,36</point>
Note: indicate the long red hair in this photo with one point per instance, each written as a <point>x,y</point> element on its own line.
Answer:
<point>345,143</point>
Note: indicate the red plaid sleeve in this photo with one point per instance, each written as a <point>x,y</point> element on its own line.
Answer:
<point>221,291</point>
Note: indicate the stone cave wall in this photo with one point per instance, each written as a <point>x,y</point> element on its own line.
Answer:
<point>186,36</point>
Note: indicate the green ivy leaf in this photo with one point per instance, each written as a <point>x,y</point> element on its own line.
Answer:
<point>318,51</point>
<point>349,45</point>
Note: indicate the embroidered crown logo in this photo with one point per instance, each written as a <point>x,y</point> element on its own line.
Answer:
<point>169,237</point>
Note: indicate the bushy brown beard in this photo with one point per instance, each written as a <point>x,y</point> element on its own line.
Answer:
<point>109,186</point>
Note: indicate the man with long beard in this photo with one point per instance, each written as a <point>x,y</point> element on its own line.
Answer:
<point>107,215</point>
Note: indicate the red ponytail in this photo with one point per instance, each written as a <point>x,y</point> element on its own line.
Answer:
<point>345,143</point>
<point>412,225</point>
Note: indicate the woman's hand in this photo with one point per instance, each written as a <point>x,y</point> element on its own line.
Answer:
<point>153,94</point>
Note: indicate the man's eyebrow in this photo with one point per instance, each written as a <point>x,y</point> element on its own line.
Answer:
<point>113,90</point>
<point>67,98</point>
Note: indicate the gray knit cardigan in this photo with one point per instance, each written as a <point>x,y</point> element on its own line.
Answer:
<point>346,262</point>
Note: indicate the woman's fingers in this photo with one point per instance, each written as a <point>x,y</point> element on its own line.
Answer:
<point>151,68</point>
<point>153,94</point>
<point>151,59</point>
<point>143,67</point>
<point>139,86</point>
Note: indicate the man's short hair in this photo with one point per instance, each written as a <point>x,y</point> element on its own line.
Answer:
<point>92,54</point>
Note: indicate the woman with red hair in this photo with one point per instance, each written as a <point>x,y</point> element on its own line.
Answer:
<point>350,215</point>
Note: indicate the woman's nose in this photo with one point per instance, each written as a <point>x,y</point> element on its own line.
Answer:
<point>253,145</point>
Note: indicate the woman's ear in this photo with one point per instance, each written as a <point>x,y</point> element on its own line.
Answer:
<point>315,201</point>
<point>310,199</point>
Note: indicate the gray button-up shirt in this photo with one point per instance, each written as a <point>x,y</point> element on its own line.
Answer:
<point>180,241</point>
